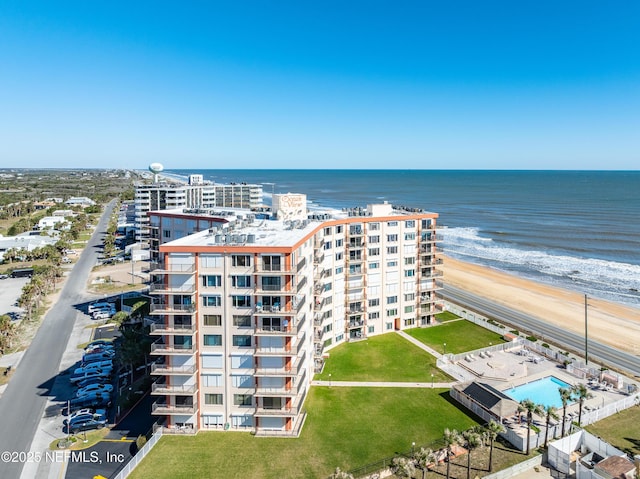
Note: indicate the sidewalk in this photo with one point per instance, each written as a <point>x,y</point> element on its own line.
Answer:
<point>379,384</point>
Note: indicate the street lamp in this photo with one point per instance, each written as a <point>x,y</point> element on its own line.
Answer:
<point>445,348</point>
<point>431,380</point>
<point>413,447</point>
<point>329,379</point>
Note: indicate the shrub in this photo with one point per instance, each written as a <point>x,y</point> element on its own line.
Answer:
<point>141,441</point>
<point>515,331</point>
<point>533,339</point>
<point>545,345</point>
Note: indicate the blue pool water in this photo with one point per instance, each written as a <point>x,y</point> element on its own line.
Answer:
<point>543,391</point>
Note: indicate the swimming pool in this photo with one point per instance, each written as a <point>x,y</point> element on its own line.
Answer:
<point>542,391</point>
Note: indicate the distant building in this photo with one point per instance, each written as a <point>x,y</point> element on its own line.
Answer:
<point>27,241</point>
<point>196,194</point>
<point>82,201</point>
<point>247,308</point>
<point>53,222</point>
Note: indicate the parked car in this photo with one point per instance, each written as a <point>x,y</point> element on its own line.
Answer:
<point>99,348</point>
<point>92,380</point>
<point>100,306</point>
<point>97,356</point>
<point>99,342</point>
<point>85,422</point>
<point>95,373</point>
<point>83,414</point>
<point>98,365</point>
<point>97,315</point>
<point>94,388</point>
<point>91,400</point>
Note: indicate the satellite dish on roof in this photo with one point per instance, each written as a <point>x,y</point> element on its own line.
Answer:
<point>156,168</point>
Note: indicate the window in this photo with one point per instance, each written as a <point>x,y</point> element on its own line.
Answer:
<point>327,231</point>
<point>388,326</point>
<point>374,226</point>
<point>339,229</point>
<point>410,224</point>
<point>339,256</point>
<point>374,265</point>
<point>241,301</point>
<point>327,245</point>
<point>374,315</point>
<point>392,312</point>
<point>410,297</point>
<point>212,281</point>
<point>244,361</point>
<point>213,361</point>
<point>392,250</point>
<point>212,320</point>
<point>211,260</point>
<point>409,236</point>
<point>339,270</point>
<point>339,243</point>
<point>240,260</point>
<point>374,302</point>
<point>392,264</point>
<point>374,239</point>
<point>212,380</point>
<point>411,260</point>
<point>392,223</point>
<point>271,283</point>
<point>408,309</point>
<point>409,273</point>
<point>241,281</point>
<point>213,399</point>
<point>242,399</point>
<point>166,233</point>
<point>374,251</point>
<point>242,340</point>
<point>211,301</point>
<point>339,337</point>
<point>213,340</point>
<point>392,238</point>
<point>371,329</point>
<point>242,321</point>
<point>242,381</point>
<point>271,263</point>
<point>392,299</point>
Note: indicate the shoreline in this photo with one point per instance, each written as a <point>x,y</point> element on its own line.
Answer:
<point>611,323</point>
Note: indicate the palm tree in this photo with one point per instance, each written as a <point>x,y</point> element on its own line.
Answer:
<point>566,395</point>
<point>492,430</point>
<point>531,408</point>
<point>451,438</point>
<point>423,458</point>
<point>403,467</point>
<point>582,393</point>
<point>551,412</point>
<point>472,440</point>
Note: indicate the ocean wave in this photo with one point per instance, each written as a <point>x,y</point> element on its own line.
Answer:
<point>609,279</point>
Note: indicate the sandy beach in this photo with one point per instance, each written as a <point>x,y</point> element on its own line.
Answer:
<point>610,323</point>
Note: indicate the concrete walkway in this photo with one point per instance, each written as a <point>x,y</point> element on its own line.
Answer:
<point>379,384</point>
<point>423,346</point>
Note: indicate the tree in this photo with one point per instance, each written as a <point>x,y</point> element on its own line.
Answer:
<point>531,408</point>
<point>472,440</point>
<point>403,467</point>
<point>338,474</point>
<point>424,457</point>
<point>551,412</point>
<point>566,396</point>
<point>492,430</point>
<point>582,393</point>
<point>451,438</point>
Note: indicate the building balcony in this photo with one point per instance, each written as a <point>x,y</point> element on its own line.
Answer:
<point>161,288</point>
<point>168,308</point>
<point>274,290</point>
<point>168,349</point>
<point>355,324</point>
<point>290,329</point>
<point>276,310</point>
<point>430,238</point>
<point>172,328</point>
<point>160,408</point>
<point>168,389</point>
<point>160,267</point>
<point>169,370</point>
<point>293,369</point>
<point>427,261</point>
<point>272,270</point>
<point>431,273</point>
<point>293,432</point>
<point>291,350</point>
<point>351,232</point>
<point>282,411</point>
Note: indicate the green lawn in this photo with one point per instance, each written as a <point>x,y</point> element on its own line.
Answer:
<point>459,336</point>
<point>620,430</point>
<point>345,427</point>
<point>388,357</point>
<point>446,316</point>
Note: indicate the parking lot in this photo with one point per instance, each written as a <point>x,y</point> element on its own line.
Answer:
<point>10,291</point>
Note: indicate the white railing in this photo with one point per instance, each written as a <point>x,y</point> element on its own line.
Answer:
<point>516,468</point>
<point>135,460</point>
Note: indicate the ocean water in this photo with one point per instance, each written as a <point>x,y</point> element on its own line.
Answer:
<point>575,229</point>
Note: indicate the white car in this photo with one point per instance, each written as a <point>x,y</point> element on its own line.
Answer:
<point>95,388</point>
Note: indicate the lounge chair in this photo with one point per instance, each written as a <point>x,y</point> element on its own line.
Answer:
<point>489,355</point>
<point>467,358</point>
<point>481,354</point>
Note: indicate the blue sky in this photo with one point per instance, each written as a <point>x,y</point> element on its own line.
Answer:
<point>514,85</point>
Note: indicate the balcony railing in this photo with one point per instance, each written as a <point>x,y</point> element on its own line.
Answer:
<point>292,350</point>
<point>160,267</point>
<point>169,389</point>
<point>290,329</point>
<point>293,432</point>
<point>160,348</point>
<point>160,288</point>
<point>292,370</point>
<point>281,411</point>
<point>170,409</point>
<point>166,369</point>
<point>171,328</point>
<point>168,308</point>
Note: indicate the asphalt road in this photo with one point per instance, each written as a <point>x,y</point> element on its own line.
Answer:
<point>22,404</point>
<point>599,352</point>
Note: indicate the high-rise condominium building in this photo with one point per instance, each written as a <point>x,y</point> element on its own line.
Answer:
<point>248,308</point>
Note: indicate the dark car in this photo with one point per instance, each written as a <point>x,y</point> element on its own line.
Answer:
<point>94,373</point>
<point>85,422</point>
<point>91,400</point>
